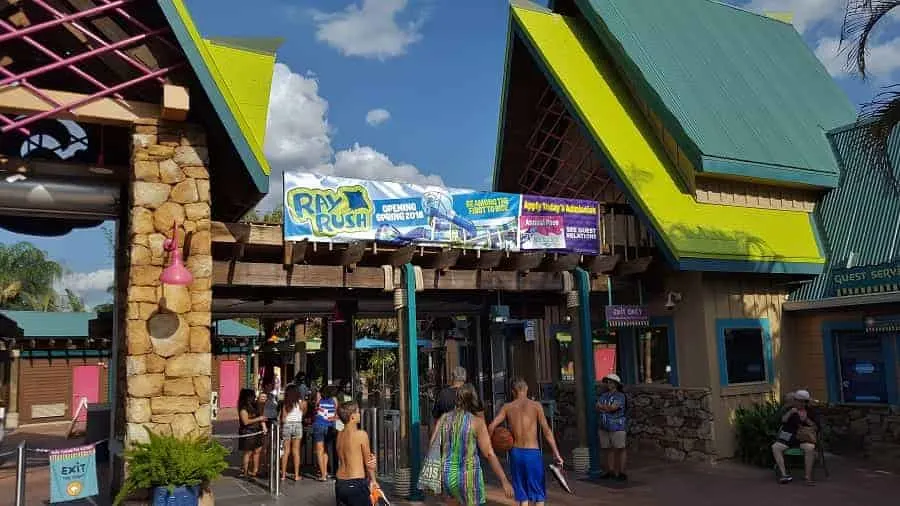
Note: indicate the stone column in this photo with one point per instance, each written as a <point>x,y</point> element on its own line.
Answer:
<point>167,332</point>
<point>12,412</point>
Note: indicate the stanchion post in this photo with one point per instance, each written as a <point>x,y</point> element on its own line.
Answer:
<point>274,461</point>
<point>20,474</point>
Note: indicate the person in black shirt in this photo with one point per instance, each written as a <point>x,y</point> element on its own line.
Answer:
<point>446,398</point>
<point>799,427</point>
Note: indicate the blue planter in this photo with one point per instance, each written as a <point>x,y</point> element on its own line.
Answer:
<point>181,496</point>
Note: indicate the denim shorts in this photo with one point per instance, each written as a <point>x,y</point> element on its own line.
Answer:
<point>292,430</point>
<point>319,432</point>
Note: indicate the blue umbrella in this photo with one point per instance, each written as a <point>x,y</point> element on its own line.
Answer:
<point>370,343</point>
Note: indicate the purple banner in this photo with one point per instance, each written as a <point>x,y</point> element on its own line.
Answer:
<point>554,224</point>
<point>627,316</point>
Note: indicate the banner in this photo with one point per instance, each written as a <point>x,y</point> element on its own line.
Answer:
<point>73,474</point>
<point>328,208</point>
<point>549,223</point>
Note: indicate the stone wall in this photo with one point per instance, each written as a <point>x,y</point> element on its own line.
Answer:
<point>676,423</point>
<point>167,331</point>
<point>868,431</point>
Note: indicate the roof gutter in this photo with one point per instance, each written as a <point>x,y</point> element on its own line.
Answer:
<point>839,302</point>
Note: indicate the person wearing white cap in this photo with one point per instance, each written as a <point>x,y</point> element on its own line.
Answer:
<point>799,426</point>
<point>612,405</point>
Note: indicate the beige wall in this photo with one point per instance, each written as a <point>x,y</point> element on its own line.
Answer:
<point>708,297</point>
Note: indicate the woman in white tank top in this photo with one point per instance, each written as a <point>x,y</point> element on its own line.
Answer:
<point>292,429</point>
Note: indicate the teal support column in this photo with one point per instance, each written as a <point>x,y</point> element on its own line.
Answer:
<point>583,283</point>
<point>415,417</point>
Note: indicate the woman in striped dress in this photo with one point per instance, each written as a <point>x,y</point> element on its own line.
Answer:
<point>462,435</point>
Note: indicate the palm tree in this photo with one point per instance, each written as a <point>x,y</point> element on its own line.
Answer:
<point>27,277</point>
<point>881,115</point>
<point>75,303</point>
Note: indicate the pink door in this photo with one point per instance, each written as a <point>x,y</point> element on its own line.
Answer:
<point>229,382</point>
<point>85,385</point>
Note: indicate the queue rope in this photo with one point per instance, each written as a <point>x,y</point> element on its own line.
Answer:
<point>236,436</point>
<point>48,450</point>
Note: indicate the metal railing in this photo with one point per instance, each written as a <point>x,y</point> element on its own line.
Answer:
<point>275,449</point>
<point>383,427</point>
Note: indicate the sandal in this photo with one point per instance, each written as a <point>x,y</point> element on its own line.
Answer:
<point>297,477</point>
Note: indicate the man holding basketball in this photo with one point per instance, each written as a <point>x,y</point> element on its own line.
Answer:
<point>525,458</point>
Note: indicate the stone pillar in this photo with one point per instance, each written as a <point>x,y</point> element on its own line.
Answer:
<point>12,413</point>
<point>167,332</point>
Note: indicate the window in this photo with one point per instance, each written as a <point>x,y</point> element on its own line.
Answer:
<point>654,362</point>
<point>862,371</point>
<point>566,355</point>
<point>744,351</point>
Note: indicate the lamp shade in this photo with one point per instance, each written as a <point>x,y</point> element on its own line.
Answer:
<point>175,273</point>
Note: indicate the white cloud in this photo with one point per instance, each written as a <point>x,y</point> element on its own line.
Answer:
<point>376,117</point>
<point>372,30</point>
<point>81,282</point>
<point>298,139</point>
<point>807,13</point>
<point>883,57</point>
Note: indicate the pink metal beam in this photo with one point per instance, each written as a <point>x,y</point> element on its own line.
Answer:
<point>90,98</point>
<point>83,56</point>
<point>91,35</point>
<point>53,56</point>
<point>63,18</point>
<point>136,22</point>
<point>4,119</point>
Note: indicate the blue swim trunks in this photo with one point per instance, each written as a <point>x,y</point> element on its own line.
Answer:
<point>526,471</point>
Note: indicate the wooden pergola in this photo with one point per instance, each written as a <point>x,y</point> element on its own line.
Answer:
<point>256,256</point>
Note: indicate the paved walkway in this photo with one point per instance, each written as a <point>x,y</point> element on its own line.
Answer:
<point>653,483</point>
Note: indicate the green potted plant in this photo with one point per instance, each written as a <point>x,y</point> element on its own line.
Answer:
<point>173,469</point>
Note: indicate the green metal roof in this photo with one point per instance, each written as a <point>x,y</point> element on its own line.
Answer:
<point>741,93</point>
<point>860,219</point>
<point>38,324</point>
<point>231,328</point>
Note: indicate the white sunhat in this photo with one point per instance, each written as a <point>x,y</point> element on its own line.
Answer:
<point>613,377</point>
<point>802,395</point>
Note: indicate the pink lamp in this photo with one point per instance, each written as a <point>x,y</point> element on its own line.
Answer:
<point>176,273</point>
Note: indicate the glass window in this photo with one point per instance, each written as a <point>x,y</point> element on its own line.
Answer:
<point>745,357</point>
<point>861,367</point>
<point>566,355</point>
<point>654,363</point>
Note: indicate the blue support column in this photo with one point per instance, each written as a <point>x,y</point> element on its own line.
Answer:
<point>415,419</point>
<point>583,283</point>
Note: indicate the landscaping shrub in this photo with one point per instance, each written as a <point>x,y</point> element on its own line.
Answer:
<point>756,427</point>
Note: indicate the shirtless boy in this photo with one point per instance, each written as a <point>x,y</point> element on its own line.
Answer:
<point>525,459</point>
<point>356,471</point>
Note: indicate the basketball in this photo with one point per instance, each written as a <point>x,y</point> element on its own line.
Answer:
<point>502,439</point>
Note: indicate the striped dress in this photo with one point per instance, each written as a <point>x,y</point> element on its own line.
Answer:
<point>463,479</point>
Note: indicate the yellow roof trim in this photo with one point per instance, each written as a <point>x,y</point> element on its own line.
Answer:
<point>246,80</point>
<point>690,229</point>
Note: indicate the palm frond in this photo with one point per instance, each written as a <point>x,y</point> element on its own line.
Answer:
<point>860,19</point>
<point>880,118</point>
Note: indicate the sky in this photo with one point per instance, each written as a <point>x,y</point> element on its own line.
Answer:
<point>407,90</point>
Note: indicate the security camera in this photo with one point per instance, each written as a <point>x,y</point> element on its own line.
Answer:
<point>672,300</point>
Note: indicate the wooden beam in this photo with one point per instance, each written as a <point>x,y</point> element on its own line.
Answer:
<point>255,234</point>
<point>175,103</point>
<point>403,255</point>
<point>38,167</point>
<point>334,276</point>
<point>561,262</point>
<point>602,264</point>
<point>107,111</point>
<point>636,266</point>
<point>295,252</point>
<point>446,259</point>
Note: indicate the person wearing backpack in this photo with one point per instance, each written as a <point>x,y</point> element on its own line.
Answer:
<point>612,406</point>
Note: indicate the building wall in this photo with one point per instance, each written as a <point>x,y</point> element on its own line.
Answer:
<point>805,348</point>
<point>706,299</point>
<point>45,387</point>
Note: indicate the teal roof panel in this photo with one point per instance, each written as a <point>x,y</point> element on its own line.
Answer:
<point>741,92</point>
<point>859,221</point>
<point>39,324</point>
<point>231,328</point>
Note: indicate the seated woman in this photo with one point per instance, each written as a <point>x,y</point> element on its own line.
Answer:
<point>799,426</point>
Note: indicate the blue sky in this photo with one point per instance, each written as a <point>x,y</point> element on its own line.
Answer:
<point>404,89</point>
